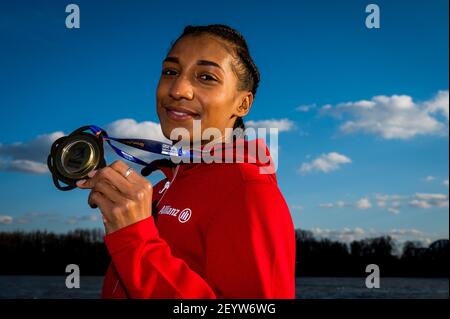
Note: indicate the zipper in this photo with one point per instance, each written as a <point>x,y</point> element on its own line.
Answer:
<point>166,186</point>
<point>115,287</point>
<point>173,178</point>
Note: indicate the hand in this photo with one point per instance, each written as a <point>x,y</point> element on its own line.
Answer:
<point>122,200</point>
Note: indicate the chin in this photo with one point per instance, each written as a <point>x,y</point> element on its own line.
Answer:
<point>167,128</point>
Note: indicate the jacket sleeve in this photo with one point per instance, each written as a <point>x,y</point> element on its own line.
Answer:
<point>146,267</point>
<point>250,253</point>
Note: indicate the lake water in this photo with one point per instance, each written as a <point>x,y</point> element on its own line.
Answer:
<point>49,287</point>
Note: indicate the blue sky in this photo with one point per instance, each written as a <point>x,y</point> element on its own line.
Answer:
<point>363,112</point>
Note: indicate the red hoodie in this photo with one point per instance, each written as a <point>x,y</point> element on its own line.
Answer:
<point>218,230</point>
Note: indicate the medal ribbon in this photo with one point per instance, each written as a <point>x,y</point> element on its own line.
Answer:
<point>142,144</point>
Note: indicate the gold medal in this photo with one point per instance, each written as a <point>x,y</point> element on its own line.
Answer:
<point>78,156</point>
<point>73,157</point>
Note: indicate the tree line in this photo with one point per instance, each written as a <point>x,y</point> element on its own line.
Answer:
<point>47,253</point>
<point>324,257</point>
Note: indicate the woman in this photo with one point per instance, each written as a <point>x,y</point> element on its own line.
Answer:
<point>215,230</point>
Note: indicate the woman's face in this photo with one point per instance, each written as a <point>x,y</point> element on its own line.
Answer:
<point>198,83</point>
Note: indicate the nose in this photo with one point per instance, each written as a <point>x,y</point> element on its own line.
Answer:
<point>181,89</point>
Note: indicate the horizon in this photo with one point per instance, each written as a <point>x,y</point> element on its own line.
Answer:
<point>363,114</point>
<point>297,231</point>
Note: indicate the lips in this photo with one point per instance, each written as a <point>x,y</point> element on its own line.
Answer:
<point>180,113</point>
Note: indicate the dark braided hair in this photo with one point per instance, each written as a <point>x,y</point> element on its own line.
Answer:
<point>245,68</point>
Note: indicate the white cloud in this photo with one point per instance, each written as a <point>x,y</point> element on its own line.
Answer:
<point>348,235</point>
<point>36,149</point>
<point>28,157</point>
<point>394,203</point>
<point>381,203</point>
<point>443,203</point>
<point>431,196</point>
<point>420,203</point>
<point>338,204</point>
<point>430,200</point>
<point>283,125</point>
<point>25,166</point>
<point>5,220</point>
<point>345,235</point>
<point>129,128</point>
<point>445,183</point>
<point>328,109</point>
<point>363,203</point>
<point>35,216</point>
<point>394,117</point>
<point>402,232</point>
<point>84,218</point>
<point>422,200</point>
<point>402,235</point>
<point>386,197</point>
<point>393,210</point>
<point>429,178</point>
<point>439,104</point>
<point>325,163</point>
<point>31,156</point>
<point>22,221</point>
<point>305,108</point>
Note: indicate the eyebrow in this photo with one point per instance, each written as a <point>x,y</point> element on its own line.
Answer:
<point>171,59</point>
<point>210,63</point>
<point>199,62</point>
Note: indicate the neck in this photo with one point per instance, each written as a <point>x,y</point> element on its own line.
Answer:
<point>224,138</point>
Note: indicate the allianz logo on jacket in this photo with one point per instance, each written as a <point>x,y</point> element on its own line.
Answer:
<point>183,215</point>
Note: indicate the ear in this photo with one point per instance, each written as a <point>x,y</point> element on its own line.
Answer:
<point>245,104</point>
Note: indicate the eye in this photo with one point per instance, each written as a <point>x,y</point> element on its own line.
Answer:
<point>169,72</point>
<point>207,77</point>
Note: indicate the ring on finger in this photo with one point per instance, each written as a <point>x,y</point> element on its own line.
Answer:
<point>128,172</point>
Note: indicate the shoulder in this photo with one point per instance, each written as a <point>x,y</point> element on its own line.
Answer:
<point>243,184</point>
<point>239,173</point>
<point>253,204</point>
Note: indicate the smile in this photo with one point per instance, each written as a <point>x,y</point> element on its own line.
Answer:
<point>180,115</point>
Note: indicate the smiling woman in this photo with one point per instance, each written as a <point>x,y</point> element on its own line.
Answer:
<point>208,75</point>
<point>217,230</point>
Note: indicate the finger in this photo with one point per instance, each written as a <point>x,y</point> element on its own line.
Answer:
<point>106,207</point>
<point>109,191</point>
<point>92,200</point>
<point>138,182</point>
<point>111,176</point>
<point>122,169</point>
<point>98,200</point>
